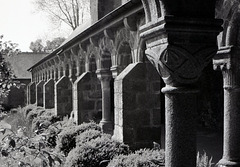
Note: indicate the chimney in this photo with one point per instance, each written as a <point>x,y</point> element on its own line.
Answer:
<point>100,8</point>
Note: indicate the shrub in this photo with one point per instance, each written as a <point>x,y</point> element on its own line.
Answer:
<point>141,158</point>
<point>17,120</point>
<point>87,136</point>
<point>32,114</point>
<point>66,140</point>
<point>203,160</point>
<point>93,152</point>
<point>41,123</point>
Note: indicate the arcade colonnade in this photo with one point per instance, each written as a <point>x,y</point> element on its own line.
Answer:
<point>103,75</point>
<point>109,73</point>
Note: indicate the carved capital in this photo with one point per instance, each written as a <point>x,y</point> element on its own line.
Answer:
<point>180,48</point>
<point>227,60</point>
<point>177,65</point>
<point>104,75</point>
<point>222,60</point>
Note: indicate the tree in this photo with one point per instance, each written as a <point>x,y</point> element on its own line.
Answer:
<point>54,44</point>
<point>71,12</point>
<point>37,46</point>
<point>7,48</point>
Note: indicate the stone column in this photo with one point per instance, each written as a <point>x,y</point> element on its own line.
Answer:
<point>227,60</point>
<point>59,71</point>
<point>55,74</point>
<point>106,123</point>
<point>180,125</point>
<point>180,43</point>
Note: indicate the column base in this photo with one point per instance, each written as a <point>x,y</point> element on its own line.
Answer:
<point>107,127</point>
<point>226,163</point>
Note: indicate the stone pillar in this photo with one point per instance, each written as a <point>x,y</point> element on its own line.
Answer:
<point>180,125</point>
<point>48,94</point>
<point>55,74</point>
<point>39,93</point>
<point>180,42</point>
<point>32,93</point>
<point>227,60</point>
<point>87,98</point>
<point>105,78</point>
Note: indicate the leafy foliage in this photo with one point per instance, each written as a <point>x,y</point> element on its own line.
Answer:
<point>87,136</point>
<point>44,120</point>
<point>54,44</point>
<point>96,152</point>
<point>7,48</point>
<point>70,12</point>
<point>66,140</point>
<point>141,158</point>
<point>203,160</point>
<point>39,46</point>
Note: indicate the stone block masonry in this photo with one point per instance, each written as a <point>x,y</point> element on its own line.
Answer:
<point>135,110</point>
<point>63,96</point>
<point>39,95</point>
<point>87,98</point>
<point>48,94</point>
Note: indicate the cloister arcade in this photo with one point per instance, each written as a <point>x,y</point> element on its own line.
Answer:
<point>109,73</point>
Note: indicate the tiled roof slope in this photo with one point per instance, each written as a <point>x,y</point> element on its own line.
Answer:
<point>23,61</point>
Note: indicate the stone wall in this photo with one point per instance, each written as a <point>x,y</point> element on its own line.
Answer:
<point>63,96</point>
<point>39,95</point>
<point>48,91</point>
<point>87,98</point>
<point>32,93</point>
<point>137,106</point>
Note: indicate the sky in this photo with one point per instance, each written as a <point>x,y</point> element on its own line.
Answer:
<point>22,24</point>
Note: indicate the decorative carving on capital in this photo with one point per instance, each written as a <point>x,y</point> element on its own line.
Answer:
<point>227,60</point>
<point>106,45</point>
<point>177,65</point>
<point>104,75</point>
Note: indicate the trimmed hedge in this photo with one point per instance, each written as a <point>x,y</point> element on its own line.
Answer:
<point>87,136</point>
<point>141,158</point>
<point>96,151</point>
<point>66,140</point>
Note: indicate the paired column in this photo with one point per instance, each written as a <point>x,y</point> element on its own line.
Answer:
<point>180,125</point>
<point>227,60</point>
<point>105,78</point>
<point>180,47</point>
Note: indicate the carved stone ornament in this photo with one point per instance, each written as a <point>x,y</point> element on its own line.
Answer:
<point>180,49</point>
<point>176,64</point>
<point>227,60</point>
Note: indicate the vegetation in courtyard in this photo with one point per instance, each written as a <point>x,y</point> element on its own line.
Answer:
<point>48,47</point>
<point>7,48</point>
<point>72,13</point>
<point>38,138</point>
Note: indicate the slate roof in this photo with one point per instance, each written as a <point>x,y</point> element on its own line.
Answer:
<point>23,61</point>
